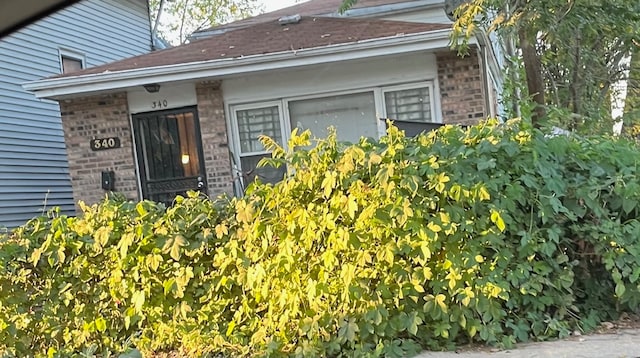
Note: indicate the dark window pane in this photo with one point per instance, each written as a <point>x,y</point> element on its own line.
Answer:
<point>252,123</point>
<point>266,174</point>
<point>70,64</point>
<point>413,105</point>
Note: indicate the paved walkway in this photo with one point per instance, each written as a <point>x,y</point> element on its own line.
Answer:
<point>623,343</point>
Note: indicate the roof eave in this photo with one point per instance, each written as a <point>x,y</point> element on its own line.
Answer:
<point>65,87</point>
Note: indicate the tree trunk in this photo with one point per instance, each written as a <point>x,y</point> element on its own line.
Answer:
<point>154,32</point>
<point>533,70</point>
<point>631,115</point>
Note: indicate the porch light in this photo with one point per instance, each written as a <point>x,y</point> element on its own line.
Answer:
<point>152,87</point>
<point>185,159</point>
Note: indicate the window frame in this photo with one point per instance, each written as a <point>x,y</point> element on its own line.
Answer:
<point>285,118</point>
<point>72,55</point>
<point>250,106</point>
<point>235,132</point>
<point>409,86</point>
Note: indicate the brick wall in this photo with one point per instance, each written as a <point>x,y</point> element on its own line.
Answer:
<point>461,87</point>
<point>98,117</point>
<point>215,144</point>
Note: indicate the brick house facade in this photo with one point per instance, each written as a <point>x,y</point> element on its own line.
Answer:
<point>214,138</point>
<point>85,118</point>
<point>189,117</point>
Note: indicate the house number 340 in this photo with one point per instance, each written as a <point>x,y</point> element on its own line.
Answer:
<point>104,143</point>
<point>159,104</point>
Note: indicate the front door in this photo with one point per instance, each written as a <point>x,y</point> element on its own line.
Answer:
<point>169,151</point>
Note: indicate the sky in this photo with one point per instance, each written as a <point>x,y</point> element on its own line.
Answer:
<point>271,5</point>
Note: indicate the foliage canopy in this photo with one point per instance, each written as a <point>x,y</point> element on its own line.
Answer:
<point>493,234</point>
<point>567,57</point>
<point>175,20</point>
<point>572,51</point>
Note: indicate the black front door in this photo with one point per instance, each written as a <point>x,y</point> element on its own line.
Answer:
<point>169,150</point>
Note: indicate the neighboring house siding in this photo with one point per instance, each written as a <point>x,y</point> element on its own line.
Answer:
<point>434,15</point>
<point>33,161</point>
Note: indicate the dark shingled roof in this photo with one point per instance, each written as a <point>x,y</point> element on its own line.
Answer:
<point>269,37</point>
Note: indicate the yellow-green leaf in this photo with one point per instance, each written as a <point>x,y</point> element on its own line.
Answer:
<point>178,242</point>
<point>154,261</point>
<point>244,211</point>
<point>328,183</point>
<point>232,325</point>
<point>483,194</point>
<point>440,298</point>
<point>221,230</point>
<point>138,300</point>
<point>352,207</point>
<point>101,324</point>
<point>497,219</point>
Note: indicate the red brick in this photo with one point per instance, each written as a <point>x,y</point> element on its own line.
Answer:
<point>97,117</point>
<point>213,128</point>
<point>461,88</point>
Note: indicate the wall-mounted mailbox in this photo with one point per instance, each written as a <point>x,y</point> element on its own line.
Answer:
<point>108,180</point>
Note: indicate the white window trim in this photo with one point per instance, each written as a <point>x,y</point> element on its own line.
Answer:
<point>72,54</point>
<point>233,109</point>
<point>409,86</point>
<point>236,148</point>
<point>329,94</point>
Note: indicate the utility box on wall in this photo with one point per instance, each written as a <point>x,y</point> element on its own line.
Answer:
<point>108,180</point>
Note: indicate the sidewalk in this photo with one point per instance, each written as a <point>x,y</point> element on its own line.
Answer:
<point>622,343</point>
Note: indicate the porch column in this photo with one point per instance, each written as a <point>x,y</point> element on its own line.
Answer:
<point>461,88</point>
<point>215,144</point>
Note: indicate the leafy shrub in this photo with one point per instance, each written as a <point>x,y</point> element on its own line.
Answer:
<point>494,234</point>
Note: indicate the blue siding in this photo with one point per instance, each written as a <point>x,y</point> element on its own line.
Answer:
<point>34,174</point>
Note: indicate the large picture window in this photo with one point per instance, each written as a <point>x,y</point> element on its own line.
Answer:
<point>353,116</point>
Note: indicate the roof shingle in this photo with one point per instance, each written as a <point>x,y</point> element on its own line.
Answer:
<point>309,8</point>
<point>270,37</point>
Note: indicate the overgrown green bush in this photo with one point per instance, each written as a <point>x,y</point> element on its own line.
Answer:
<point>493,234</point>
